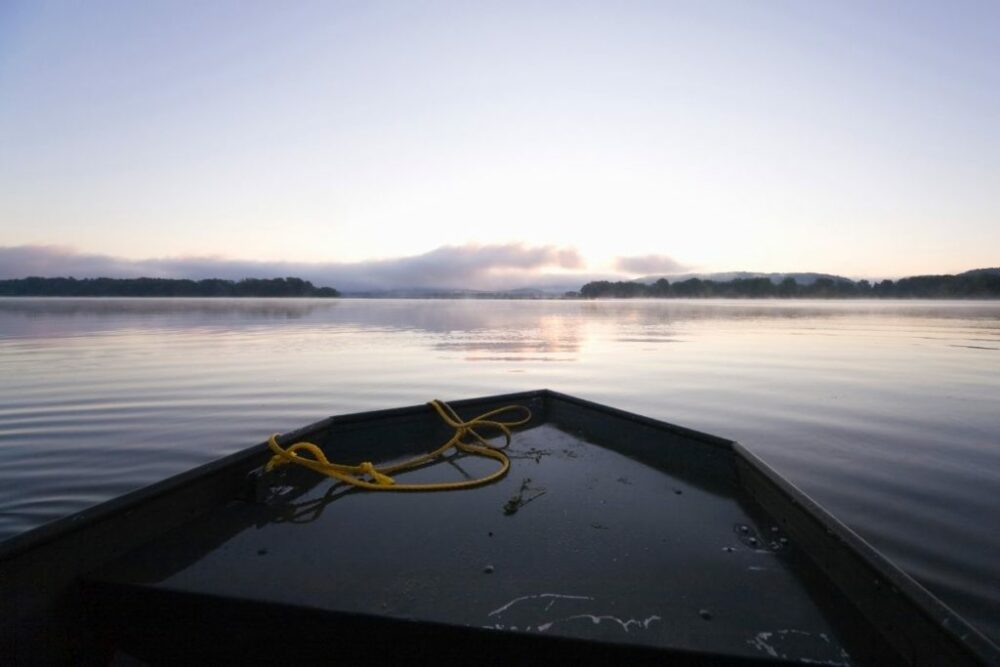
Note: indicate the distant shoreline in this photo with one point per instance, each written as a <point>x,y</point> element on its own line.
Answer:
<point>983,284</point>
<point>164,288</point>
<point>508,297</point>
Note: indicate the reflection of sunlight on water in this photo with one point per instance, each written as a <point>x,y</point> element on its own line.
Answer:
<point>553,338</point>
<point>885,411</point>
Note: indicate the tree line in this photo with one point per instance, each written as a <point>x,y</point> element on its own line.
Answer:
<point>981,285</point>
<point>168,287</point>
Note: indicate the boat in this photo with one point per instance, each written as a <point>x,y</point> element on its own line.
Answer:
<point>606,537</point>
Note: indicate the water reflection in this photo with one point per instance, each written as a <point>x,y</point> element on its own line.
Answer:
<point>547,338</point>
<point>501,332</point>
<point>542,326</point>
<point>141,307</point>
<point>32,317</point>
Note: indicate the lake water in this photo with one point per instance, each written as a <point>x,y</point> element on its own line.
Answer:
<point>887,413</point>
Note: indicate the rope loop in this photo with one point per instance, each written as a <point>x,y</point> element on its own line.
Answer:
<point>380,477</point>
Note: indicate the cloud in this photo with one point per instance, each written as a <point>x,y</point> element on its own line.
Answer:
<point>649,264</point>
<point>458,266</point>
<point>498,266</point>
<point>56,260</point>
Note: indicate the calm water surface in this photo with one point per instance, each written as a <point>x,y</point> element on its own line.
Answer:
<point>887,413</point>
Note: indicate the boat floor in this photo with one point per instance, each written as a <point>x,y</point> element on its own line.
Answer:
<point>576,541</point>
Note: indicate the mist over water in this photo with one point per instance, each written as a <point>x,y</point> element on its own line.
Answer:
<point>887,413</point>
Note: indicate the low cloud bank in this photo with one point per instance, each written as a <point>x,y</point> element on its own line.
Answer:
<point>649,264</point>
<point>485,267</point>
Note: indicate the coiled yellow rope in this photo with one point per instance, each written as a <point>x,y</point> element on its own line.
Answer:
<point>380,479</point>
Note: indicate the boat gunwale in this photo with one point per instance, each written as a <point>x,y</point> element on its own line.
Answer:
<point>700,436</point>
<point>938,615</point>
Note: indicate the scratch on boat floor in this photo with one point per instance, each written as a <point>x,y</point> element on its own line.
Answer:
<point>627,625</point>
<point>596,620</point>
<point>765,642</point>
<point>556,596</point>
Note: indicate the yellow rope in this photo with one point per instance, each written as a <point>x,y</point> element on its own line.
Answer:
<point>380,479</point>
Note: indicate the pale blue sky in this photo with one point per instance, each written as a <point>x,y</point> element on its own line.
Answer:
<point>855,138</point>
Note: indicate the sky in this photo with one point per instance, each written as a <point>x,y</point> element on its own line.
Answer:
<point>482,144</point>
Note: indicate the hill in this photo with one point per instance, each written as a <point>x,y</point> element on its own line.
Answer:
<point>802,278</point>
